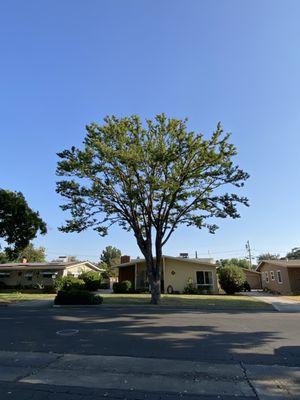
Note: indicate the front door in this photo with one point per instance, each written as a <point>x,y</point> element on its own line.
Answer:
<point>127,274</point>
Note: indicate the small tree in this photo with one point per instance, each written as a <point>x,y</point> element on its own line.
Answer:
<point>109,257</point>
<point>149,179</point>
<point>267,256</point>
<point>33,254</point>
<point>239,262</point>
<point>294,254</point>
<point>92,280</point>
<point>19,224</point>
<point>3,258</point>
<point>231,278</point>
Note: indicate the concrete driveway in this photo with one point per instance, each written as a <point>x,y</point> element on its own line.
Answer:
<point>137,354</point>
<point>278,302</point>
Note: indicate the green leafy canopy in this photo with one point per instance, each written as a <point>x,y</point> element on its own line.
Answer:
<point>19,224</point>
<point>150,177</point>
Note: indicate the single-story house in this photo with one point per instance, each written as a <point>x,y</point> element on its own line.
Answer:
<point>253,278</point>
<point>176,274</point>
<point>31,274</point>
<point>281,276</point>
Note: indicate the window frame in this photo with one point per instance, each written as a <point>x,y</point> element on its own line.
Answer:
<point>272,275</point>
<point>267,277</point>
<point>207,285</point>
<point>4,275</point>
<point>280,282</point>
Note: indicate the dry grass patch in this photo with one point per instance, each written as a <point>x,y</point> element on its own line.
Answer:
<point>12,297</point>
<point>295,298</point>
<point>193,301</point>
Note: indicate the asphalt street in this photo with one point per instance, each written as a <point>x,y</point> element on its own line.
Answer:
<point>256,347</point>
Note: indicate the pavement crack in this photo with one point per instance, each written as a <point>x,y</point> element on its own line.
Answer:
<point>248,379</point>
<point>36,370</point>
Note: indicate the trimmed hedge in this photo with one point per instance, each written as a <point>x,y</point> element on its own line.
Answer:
<point>231,279</point>
<point>77,297</point>
<point>122,287</point>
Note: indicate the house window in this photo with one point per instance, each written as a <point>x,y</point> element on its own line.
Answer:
<point>28,276</point>
<point>4,274</point>
<point>272,275</point>
<point>279,277</point>
<point>267,276</point>
<point>204,279</point>
<point>49,274</point>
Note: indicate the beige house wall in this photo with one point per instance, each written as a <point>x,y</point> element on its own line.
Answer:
<point>21,277</point>
<point>76,270</point>
<point>273,284</point>
<point>179,273</point>
<point>183,272</point>
<point>254,279</point>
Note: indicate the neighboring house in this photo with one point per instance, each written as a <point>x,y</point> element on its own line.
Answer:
<point>253,278</point>
<point>31,274</point>
<point>281,276</point>
<point>176,272</point>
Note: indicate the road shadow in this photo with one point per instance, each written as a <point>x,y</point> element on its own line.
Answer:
<point>177,334</point>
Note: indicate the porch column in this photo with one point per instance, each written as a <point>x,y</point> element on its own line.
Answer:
<point>164,272</point>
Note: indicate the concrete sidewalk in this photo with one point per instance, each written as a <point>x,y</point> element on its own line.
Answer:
<point>153,376</point>
<point>279,303</point>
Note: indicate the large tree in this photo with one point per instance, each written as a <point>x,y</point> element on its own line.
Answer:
<point>19,224</point>
<point>149,179</point>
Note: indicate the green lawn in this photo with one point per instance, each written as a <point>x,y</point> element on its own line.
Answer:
<point>194,301</point>
<point>180,300</point>
<point>11,297</point>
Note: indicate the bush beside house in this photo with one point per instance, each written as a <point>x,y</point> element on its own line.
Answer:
<point>122,287</point>
<point>92,280</point>
<point>231,279</point>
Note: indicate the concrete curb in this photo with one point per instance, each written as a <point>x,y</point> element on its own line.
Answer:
<point>167,308</point>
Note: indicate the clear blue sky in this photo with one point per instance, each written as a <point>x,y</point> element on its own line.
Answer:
<point>67,63</point>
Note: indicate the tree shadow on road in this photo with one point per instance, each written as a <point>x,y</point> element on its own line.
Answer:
<point>190,335</point>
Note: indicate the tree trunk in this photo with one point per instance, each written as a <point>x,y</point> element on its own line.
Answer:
<point>153,270</point>
<point>155,292</point>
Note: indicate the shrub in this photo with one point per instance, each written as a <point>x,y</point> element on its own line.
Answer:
<point>122,287</point>
<point>190,289</point>
<point>77,296</point>
<point>116,287</point>
<point>125,286</point>
<point>49,289</point>
<point>39,286</point>
<point>246,287</point>
<point>68,283</point>
<point>92,280</point>
<point>231,278</point>
<point>104,285</point>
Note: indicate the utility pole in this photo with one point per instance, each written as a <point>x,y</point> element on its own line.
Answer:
<point>248,248</point>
